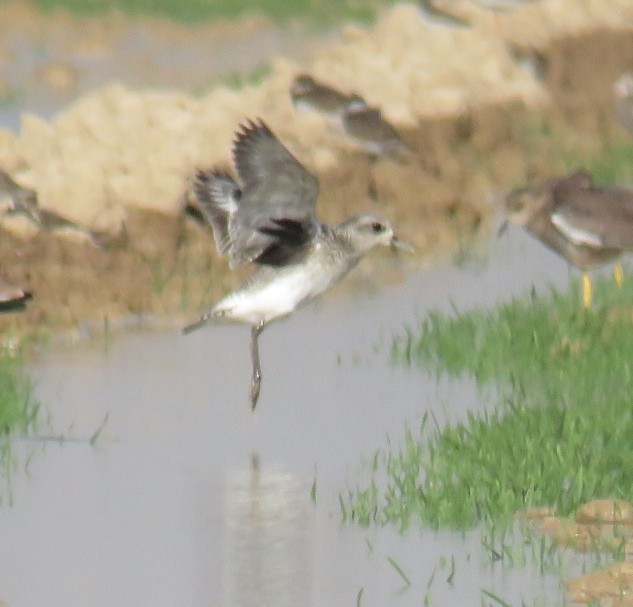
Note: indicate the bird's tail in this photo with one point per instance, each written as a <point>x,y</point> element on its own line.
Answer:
<point>216,195</point>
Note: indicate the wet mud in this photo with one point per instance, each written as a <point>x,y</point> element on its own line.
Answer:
<point>156,261</point>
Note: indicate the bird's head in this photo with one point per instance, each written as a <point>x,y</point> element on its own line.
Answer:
<point>366,232</point>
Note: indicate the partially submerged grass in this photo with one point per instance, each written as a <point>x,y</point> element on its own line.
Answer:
<point>322,12</point>
<point>560,436</point>
<point>17,409</point>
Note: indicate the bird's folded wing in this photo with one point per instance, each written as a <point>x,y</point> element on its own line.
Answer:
<point>597,217</point>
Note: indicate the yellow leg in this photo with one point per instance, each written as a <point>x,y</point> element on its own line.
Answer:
<point>587,290</point>
<point>618,274</point>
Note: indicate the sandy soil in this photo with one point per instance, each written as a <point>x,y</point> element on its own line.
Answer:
<point>468,101</point>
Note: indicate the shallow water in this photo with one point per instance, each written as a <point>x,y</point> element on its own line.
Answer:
<point>190,499</point>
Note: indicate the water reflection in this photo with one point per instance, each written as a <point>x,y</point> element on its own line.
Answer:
<point>269,540</point>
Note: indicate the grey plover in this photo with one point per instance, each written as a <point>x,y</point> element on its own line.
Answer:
<point>308,93</point>
<point>367,126</point>
<point>623,94</point>
<point>588,225</point>
<point>270,221</point>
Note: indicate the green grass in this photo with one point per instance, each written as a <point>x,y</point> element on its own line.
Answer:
<point>609,163</point>
<point>318,12</point>
<point>560,435</point>
<point>235,80</point>
<point>612,165</point>
<point>17,409</point>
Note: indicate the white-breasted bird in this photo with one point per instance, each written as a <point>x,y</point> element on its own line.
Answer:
<point>269,220</point>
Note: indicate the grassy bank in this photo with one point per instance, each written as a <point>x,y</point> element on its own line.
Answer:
<point>17,409</point>
<point>559,435</point>
<point>322,12</point>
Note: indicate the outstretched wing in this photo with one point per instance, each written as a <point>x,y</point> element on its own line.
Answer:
<point>276,213</point>
<point>217,196</point>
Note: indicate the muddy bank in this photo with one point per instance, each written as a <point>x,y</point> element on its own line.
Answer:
<point>117,161</point>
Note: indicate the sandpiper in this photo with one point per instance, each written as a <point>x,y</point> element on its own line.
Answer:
<point>18,195</point>
<point>24,201</point>
<point>440,14</point>
<point>502,6</point>
<point>366,125</point>
<point>12,298</point>
<point>588,225</point>
<point>307,93</point>
<point>270,221</point>
<point>623,93</point>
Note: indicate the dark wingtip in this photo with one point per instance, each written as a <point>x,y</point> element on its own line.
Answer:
<point>206,175</point>
<point>202,178</point>
<point>249,128</point>
<point>249,131</point>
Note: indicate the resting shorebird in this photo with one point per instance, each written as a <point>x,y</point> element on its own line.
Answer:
<point>24,202</point>
<point>307,93</point>
<point>12,299</point>
<point>440,14</point>
<point>588,225</point>
<point>270,221</point>
<point>367,126</point>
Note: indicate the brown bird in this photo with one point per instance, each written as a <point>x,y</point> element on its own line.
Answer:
<point>24,202</point>
<point>366,125</point>
<point>440,14</point>
<point>623,94</point>
<point>307,93</point>
<point>12,299</point>
<point>19,195</point>
<point>587,224</point>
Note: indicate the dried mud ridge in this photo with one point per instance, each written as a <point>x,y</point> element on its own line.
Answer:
<point>439,198</point>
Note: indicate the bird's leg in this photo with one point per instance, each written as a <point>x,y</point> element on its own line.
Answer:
<point>618,274</point>
<point>587,291</point>
<point>257,371</point>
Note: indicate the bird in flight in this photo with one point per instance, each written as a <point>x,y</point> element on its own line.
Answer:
<point>269,221</point>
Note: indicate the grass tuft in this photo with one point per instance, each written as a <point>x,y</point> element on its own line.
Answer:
<point>320,13</point>
<point>18,412</point>
<point>560,435</point>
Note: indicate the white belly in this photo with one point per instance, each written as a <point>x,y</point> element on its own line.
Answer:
<point>269,300</point>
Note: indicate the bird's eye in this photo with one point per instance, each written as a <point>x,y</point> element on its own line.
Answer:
<point>377,227</point>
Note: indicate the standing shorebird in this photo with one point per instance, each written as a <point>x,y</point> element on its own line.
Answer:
<point>588,225</point>
<point>270,221</point>
<point>308,93</point>
<point>12,298</point>
<point>19,196</point>
<point>24,202</point>
<point>371,131</point>
<point>440,14</point>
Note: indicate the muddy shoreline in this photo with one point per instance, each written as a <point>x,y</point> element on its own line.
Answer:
<point>441,197</point>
